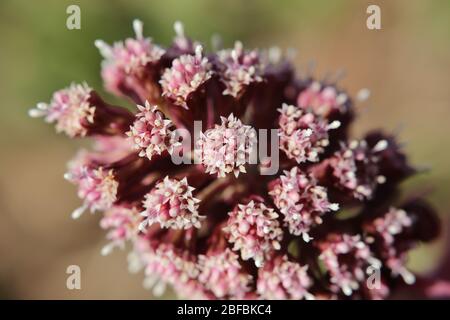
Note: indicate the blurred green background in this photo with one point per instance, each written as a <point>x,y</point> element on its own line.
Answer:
<point>405,65</point>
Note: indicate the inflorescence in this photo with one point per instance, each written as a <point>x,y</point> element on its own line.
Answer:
<point>217,227</point>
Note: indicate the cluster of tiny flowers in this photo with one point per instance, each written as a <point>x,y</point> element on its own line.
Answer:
<point>383,231</point>
<point>215,225</point>
<point>303,135</point>
<point>282,279</point>
<point>70,109</point>
<point>128,60</point>
<point>168,265</point>
<point>187,74</point>
<point>324,100</point>
<point>391,224</point>
<point>172,205</point>
<point>240,68</point>
<point>227,147</point>
<point>122,223</point>
<point>151,132</point>
<point>347,259</point>
<point>254,231</point>
<point>301,201</point>
<point>97,187</point>
<point>355,168</point>
<point>222,274</point>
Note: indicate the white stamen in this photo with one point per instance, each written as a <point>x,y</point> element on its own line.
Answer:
<point>138,28</point>
<point>78,212</point>
<point>381,179</point>
<point>407,276</point>
<point>198,51</point>
<point>42,106</point>
<point>143,225</point>
<point>68,176</point>
<point>347,290</point>
<point>36,113</point>
<point>179,28</point>
<point>380,146</point>
<point>104,48</point>
<point>309,296</point>
<point>306,237</point>
<point>107,249</point>
<point>258,262</point>
<point>334,125</point>
<point>334,206</point>
<point>363,94</point>
<point>353,144</point>
<point>237,50</point>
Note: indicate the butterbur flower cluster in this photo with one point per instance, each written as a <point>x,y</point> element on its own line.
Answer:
<point>227,147</point>
<point>301,201</point>
<point>150,132</point>
<point>121,223</point>
<point>187,74</point>
<point>346,276</point>
<point>97,187</point>
<point>254,230</point>
<point>282,279</point>
<point>201,215</point>
<point>222,274</point>
<point>171,204</point>
<point>303,135</point>
<point>239,68</point>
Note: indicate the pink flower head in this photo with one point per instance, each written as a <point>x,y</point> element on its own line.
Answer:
<point>70,109</point>
<point>301,201</point>
<point>222,274</point>
<point>392,161</point>
<point>227,147</point>
<point>172,205</point>
<point>167,264</point>
<point>151,131</point>
<point>187,74</point>
<point>254,230</point>
<point>303,135</point>
<point>97,187</point>
<point>324,100</point>
<point>127,58</point>
<point>383,231</point>
<point>122,223</point>
<point>355,168</point>
<point>347,259</point>
<point>241,68</point>
<point>79,111</point>
<point>281,279</point>
<point>391,224</point>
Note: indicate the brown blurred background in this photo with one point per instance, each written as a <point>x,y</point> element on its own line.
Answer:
<point>405,65</point>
